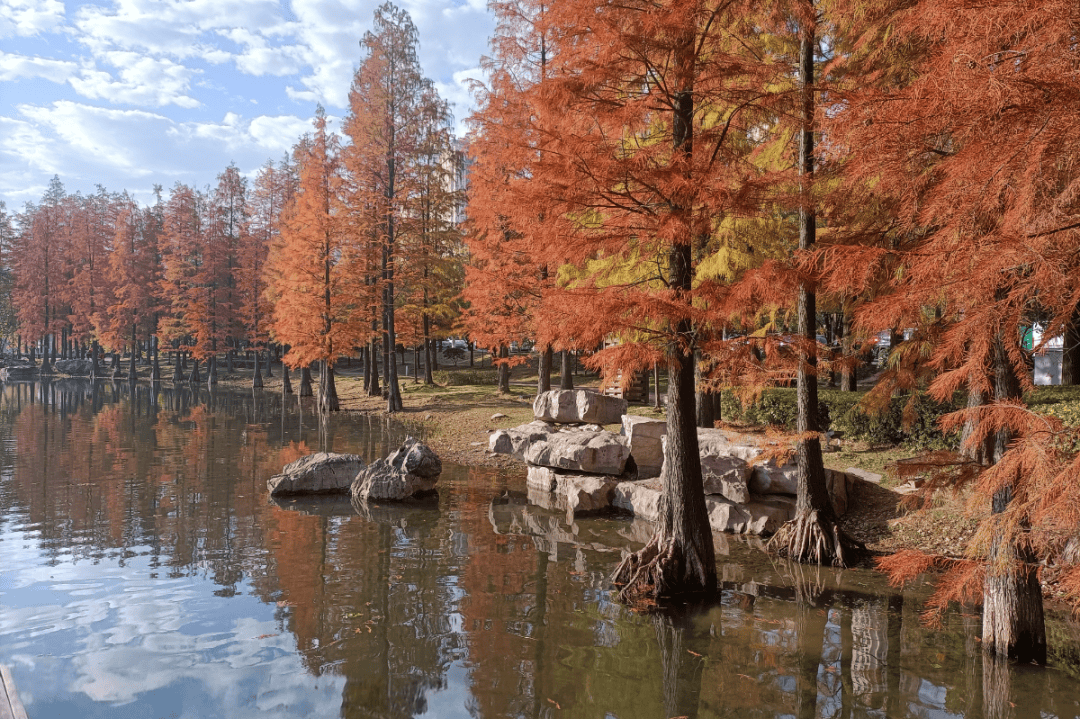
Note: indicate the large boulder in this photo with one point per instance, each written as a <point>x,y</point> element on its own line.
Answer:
<point>726,476</point>
<point>74,367</point>
<point>645,437</point>
<point>577,406</point>
<point>319,473</point>
<point>411,470</point>
<point>769,478</point>
<point>641,498</point>
<point>18,373</point>
<point>516,440</point>
<point>762,517</point>
<point>587,494</point>
<point>584,452</point>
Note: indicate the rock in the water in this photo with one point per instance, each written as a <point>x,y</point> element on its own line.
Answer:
<point>74,367</point>
<point>584,452</point>
<point>415,457</point>
<point>412,469</point>
<point>319,473</point>
<point>542,479</point>
<point>641,498</point>
<point>587,494</point>
<point>18,373</point>
<point>726,476</point>
<point>645,436</point>
<point>573,406</point>
<point>762,517</point>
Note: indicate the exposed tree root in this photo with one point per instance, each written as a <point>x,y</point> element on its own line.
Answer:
<point>811,540</point>
<point>658,570</point>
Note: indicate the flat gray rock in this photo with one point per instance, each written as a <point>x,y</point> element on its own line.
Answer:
<point>74,367</point>
<point>319,473</point>
<point>645,437</point>
<point>583,452</point>
<point>577,406</point>
<point>516,441</point>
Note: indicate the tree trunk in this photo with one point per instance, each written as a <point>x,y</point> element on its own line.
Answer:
<point>269,364</point>
<point>680,557</point>
<point>1070,355</point>
<point>504,371</point>
<point>1013,624</point>
<point>373,369</point>
<point>984,452</point>
<point>256,377</point>
<point>229,361</point>
<point>194,378</point>
<point>155,372</point>
<point>566,379</point>
<point>543,379</point>
<point>813,536</point>
<point>286,383</point>
<point>849,372</point>
<point>94,360</point>
<point>328,397</point>
<point>656,383</point>
<point>305,381</point>
<point>178,372</point>
<point>211,371</point>
<point>132,371</point>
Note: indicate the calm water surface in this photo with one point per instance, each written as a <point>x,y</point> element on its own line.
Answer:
<point>145,574</point>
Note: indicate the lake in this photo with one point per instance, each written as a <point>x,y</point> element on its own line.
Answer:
<point>144,573</point>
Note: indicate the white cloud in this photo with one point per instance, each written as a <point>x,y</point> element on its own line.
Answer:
<point>29,17</point>
<point>106,137</point>
<point>18,67</point>
<point>170,27</point>
<point>132,149</point>
<point>143,81</point>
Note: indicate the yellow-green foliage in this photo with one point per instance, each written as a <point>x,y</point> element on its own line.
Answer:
<point>1062,402</point>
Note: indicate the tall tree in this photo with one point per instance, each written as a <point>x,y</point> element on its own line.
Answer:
<point>813,535</point>
<point>384,126</point>
<point>312,269</point>
<point>640,144</point>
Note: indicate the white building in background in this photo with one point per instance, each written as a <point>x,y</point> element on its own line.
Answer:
<point>1047,358</point>
<point>456,164</point>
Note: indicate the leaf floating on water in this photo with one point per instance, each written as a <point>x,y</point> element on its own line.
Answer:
<point>555,703</point>
<point>265,636</point>
<point>693,652</point>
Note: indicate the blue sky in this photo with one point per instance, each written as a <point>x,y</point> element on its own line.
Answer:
<point>129,93</point>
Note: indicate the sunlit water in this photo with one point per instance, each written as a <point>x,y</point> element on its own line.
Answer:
<point>146,574</point>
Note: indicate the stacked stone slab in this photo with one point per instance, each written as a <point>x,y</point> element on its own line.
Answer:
<point>582,468</point>
<point>567,451</point>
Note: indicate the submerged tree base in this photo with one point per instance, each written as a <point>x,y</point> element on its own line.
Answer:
<point>811,539</point>
<point>662,568</point>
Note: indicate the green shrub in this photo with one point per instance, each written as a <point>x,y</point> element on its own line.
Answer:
<point>839,411</point>
<point>1060,401</point>
<point>460,377</point>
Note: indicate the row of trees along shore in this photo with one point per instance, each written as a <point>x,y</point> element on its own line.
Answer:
<point>340,247</point>
<point>680,175</point>
<point>686,184</point>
